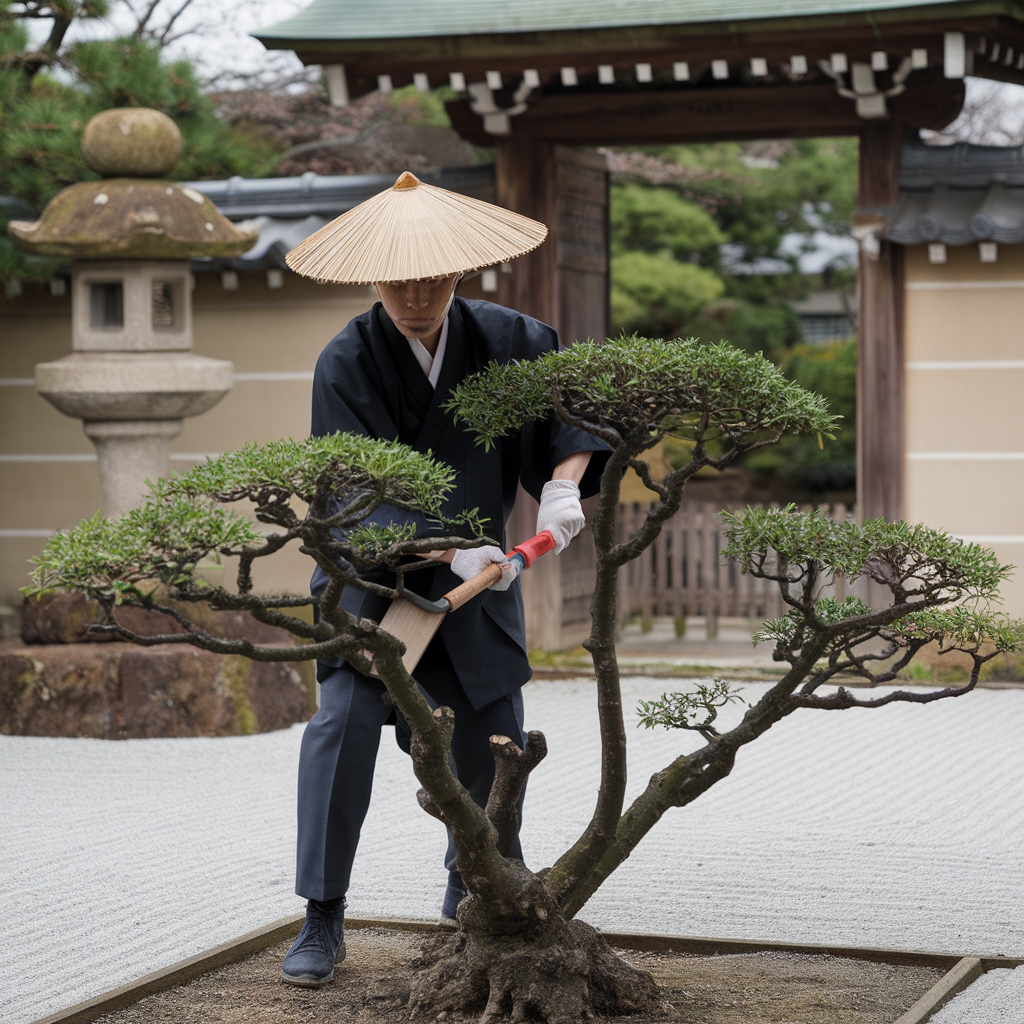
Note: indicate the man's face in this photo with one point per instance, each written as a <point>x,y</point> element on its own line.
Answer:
<point>417,308</point>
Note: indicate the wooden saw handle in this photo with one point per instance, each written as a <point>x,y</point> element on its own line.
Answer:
<point>526,554</point>
<point>477,585</point>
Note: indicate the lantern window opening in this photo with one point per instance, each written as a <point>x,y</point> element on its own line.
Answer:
<point>106,304</point>
<point>166,302</point>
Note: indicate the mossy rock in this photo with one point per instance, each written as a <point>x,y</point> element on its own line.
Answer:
<point>1004,668</point>
<point>120,691</point>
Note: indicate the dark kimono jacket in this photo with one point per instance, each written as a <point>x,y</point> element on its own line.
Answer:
<point>368,381</point>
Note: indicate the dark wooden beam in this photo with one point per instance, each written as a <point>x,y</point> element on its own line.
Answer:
<point>565,284</point>
<point>565,281</point>
<point>776,40</point>
<point>525,182</point>
<point>672,116</point>
<point>880,401</point>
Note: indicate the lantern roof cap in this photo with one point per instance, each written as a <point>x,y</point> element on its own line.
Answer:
<point>133,214</point>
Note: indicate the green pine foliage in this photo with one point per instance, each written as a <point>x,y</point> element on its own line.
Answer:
<point>913,560</point>
<point>341,480</point>
<point>940,589</point>
<point>41,120</point>
<point>637,387</point>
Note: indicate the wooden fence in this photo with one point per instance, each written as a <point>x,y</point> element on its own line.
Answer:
<point>682,573</point>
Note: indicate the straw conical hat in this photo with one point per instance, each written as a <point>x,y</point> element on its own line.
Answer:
<point>413,231</point>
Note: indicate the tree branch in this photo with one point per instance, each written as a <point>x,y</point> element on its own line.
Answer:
<point>512,768</point>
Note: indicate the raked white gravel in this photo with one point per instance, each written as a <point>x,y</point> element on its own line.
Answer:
<point>995,998</point>
<point>899,828</point>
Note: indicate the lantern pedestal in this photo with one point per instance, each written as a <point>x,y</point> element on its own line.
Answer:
<point>131,377</point>
<point>132,405</point>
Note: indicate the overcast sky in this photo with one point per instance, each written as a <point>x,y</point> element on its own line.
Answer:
<point>215,33</point>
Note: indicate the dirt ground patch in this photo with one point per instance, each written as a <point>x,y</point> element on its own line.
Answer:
<point>372,985</point>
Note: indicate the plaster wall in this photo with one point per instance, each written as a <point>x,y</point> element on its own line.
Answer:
<point>964,411</point>
<point>48,470</point>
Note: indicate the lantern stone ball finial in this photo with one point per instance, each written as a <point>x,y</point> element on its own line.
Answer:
<point>133,213</point>
<point>131,142</point>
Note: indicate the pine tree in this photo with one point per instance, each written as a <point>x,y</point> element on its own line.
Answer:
<point>48,94</point>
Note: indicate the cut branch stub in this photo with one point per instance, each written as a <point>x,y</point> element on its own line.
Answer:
<point>427,802</point>
<point>512,768</point>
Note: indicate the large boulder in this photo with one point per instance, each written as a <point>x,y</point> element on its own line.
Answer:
<point>119,691</point>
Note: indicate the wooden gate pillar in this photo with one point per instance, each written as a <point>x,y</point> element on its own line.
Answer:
<point>565,284</point>
<point>565,281</point>
<point>880,430</point>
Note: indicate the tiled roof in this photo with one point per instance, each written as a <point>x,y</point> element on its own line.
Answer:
<point>959,195</point>
<point>398,19</point>
<point>328,195</point>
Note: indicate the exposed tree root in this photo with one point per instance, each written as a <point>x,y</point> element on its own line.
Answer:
<point>564,974</point>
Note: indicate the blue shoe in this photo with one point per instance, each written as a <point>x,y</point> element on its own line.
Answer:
<point>453,896</point>
<point>320,945</point>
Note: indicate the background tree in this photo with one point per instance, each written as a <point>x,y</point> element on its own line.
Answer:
<point>707,242</point>
<point>829,370</point>
<point>518,949</point>
<point>49,92</point>
<point>664,254</point>
<point>761,199</point>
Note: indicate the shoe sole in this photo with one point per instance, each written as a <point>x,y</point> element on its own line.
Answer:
<point>308,980</point>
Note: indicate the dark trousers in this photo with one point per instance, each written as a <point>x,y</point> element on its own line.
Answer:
<point>339,750</point>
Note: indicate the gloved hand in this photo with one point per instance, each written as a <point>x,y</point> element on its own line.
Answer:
<point>561,512</point>
<point>468,562</point>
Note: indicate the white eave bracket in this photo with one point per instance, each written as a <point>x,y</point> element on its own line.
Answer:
<point>497,120</point>
<point>868,228</point>
<point>864,91</point>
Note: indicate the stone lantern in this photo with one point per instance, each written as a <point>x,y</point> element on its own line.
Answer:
<point>131,377</point>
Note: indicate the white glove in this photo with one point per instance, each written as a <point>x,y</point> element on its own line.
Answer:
<point>561,512</point>
<point>469,562</point>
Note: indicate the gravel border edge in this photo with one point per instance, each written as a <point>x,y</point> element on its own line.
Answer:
<point>955,980</point>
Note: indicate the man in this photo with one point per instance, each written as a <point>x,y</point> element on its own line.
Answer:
<point>387,375</point>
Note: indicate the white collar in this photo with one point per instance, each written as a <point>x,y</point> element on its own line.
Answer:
<point>431,364</point>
